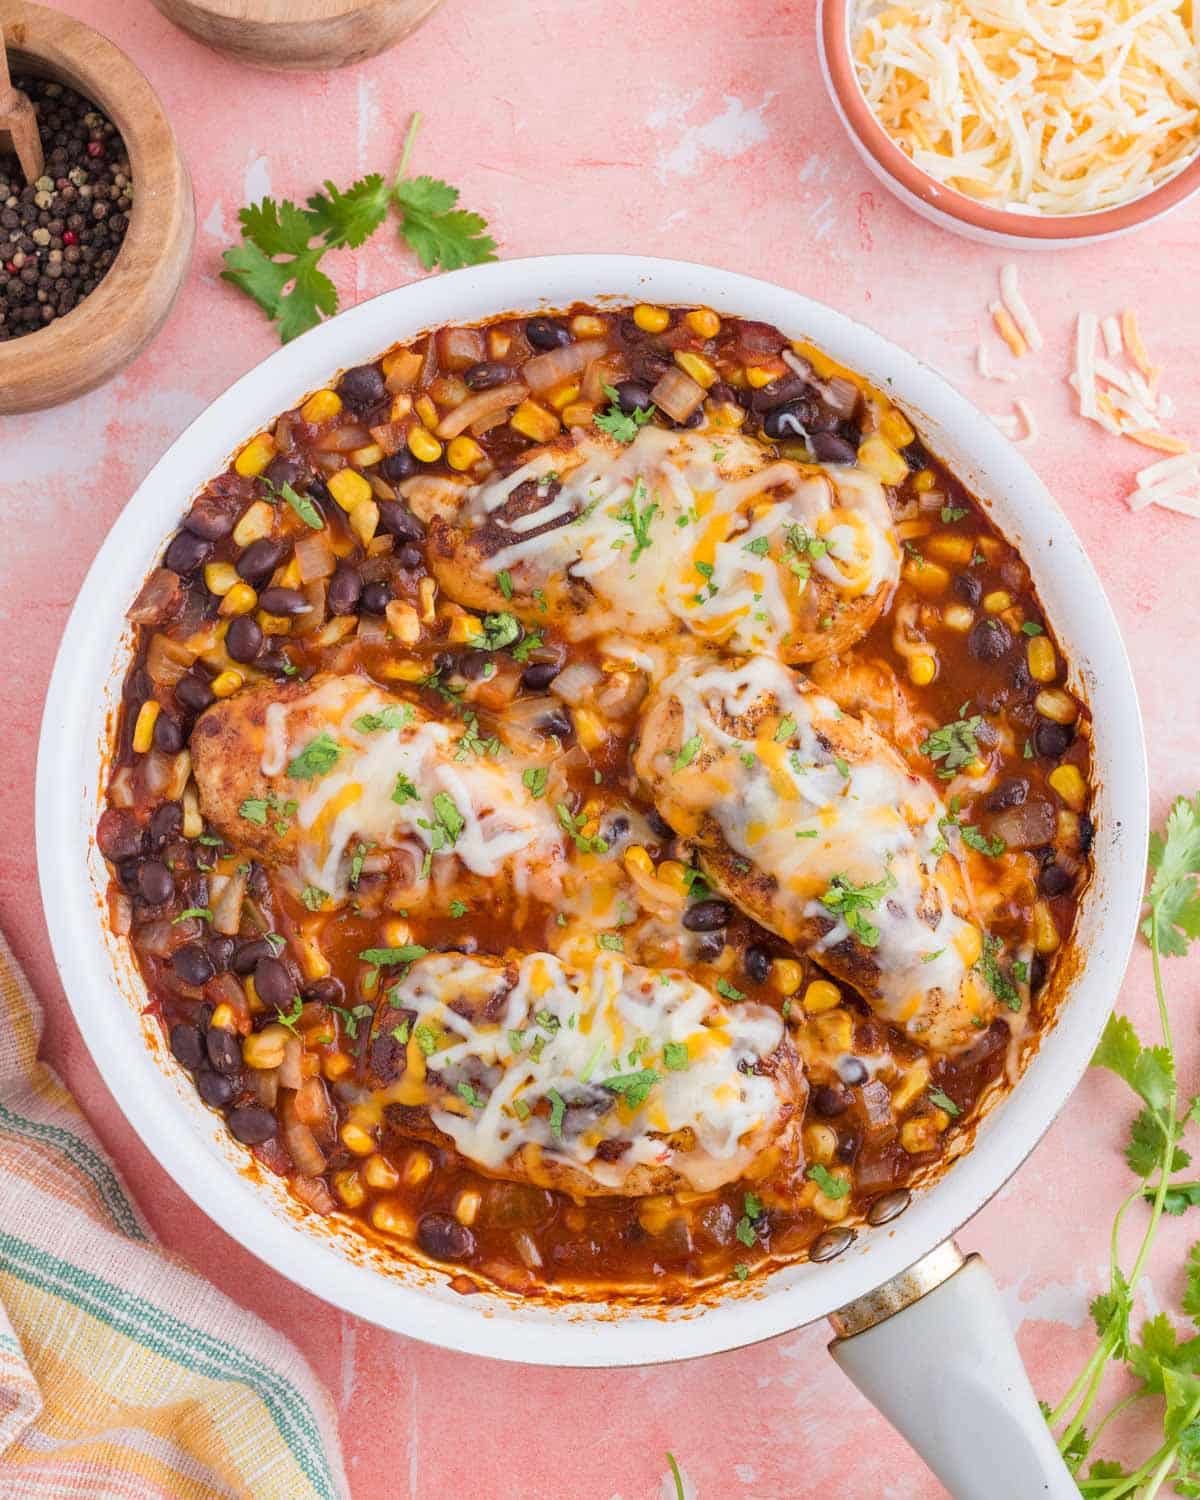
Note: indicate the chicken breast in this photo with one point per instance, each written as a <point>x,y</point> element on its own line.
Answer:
<point>679,532</point>
<point>597,1080</point>
<point>307,774</point>
<point>813,824</point>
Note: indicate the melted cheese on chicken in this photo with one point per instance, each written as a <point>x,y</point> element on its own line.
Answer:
<point>606,1068</point>
<point>813,823</point>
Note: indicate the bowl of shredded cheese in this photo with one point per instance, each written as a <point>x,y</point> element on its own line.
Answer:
<point>1024,122</point>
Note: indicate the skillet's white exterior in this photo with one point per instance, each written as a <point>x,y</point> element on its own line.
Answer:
<point>105,991</point>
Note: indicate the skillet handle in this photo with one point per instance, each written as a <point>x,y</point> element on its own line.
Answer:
<point>933,1350</point>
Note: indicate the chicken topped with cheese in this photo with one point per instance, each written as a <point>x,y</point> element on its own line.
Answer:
<point>676,533</point>
<point>812,823</point>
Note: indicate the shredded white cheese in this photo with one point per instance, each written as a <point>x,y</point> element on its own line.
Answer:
<point>1123,398</point>
<point>1037,106</point>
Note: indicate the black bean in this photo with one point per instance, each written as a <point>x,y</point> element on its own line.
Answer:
<point>362,386</point>
<point>777,392</point>
<point>193,692</point>
<point>1011,792</point>
<point>330,991</point>
<point>1054,880</point>
<point>556,725</point>
<point>186,553</point>
<point>345,590</point>
<point>990,639</point>
<point>215,1088</point>
<point>632,395</point>
<point>852,1071</point>
<point>168,734</point>
<point>790,421</point>
<point>968,588</point>
<point>410,556</point>
<point>1087,832</point>
<point>260,560</point>
<point>224,1049</point>
<point>376,597</point>
<point>118,834</point>
<point>828,1100</point>
<point>547,333</point>
<point>707,916</point>
<point>283,470</point>
<point>192,964</point>
<point>727,395</point>
<point>1037,972</point>
<point>251,1124</point>
<point>442,1236</point>
<point>399,465</point>
<point>757,963</point>
<point>280,601</point>
<point>659,825</point>
<point>1052,740</point>
<point>220,950</point>
<point>210,519</point>
<point>187,1044</point>
<point>827,448</point>
<point>156,884</point>
<point>127,874</point>
<point>710,945</point>
<point>247,955</point>
<point>165,823</point>
<point>244,638</point>
<point>486,375</point>
<point>538,676</point>
<point>696,418</point>
<point>398,521</point>
<point>273,984</point>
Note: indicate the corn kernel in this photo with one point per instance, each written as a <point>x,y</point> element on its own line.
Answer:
<point>922,669</point>
<point>590,728</point>
<point>322,405</point>
<point>364,520</point>
<point>255,456</point>
<point>820,996</point>
<point>337,1065</point>
<point>464,629</point>
<point>836,1030</point>
<point>820,1142</point>
<point>1068,782</point>
<point>368,454</point>
<point>274,624</point>
<point>534,422</point>
<point>240,600</point>
<point>912,1083</point>
<point>636,858</point>
<point>143,729</point>
<point>193,822</point>
<point>403,622</point>
<point>700,369</point>
<point>1044,931</point>
<point>257,522</point>
<point>264,1049</point>
<point>833,1209</point>
<point>878,457</point>
<point>223,1018</point>
<point>588,326</point>
<point>757,377</point>
<point>727,414</point>
<point>969,944</point>
<point>219,577</point>
<point>348,1186</point>
<point>253,1003</point>
<point>924,481</point>
<point>786,974</point>
<point>423,445</point>
<point>1043,664</point>
<point>349,489</point>
<point>426,594</point>
<point>919,1135</point>
<point>651,319</point>
<point>463,453</point>
<point>674,876</point>
<point>928,578</point>
<point>409,670</point>
<point>895,427</point>
<point>290,577</point>
<point>499,343</point>
<point>380,1173</point>
<point>564,395</point>
<point>466,1206</point>
<point>950,547</point>
<point>390,1218</point>
<point>396,933</point>
<point>703,322</point>
<point>1053,703</point>
<point>417,1167</point>
<point>401,367</point>
<point>225,684</point>
<point>356,1139</point>
<point>958,617</point>
<point>578,414</point>
<point>997,601</point>
<point>400,408</point>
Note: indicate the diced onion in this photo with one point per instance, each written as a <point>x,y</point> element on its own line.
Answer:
<point>482,404</point>
<point>678,395</point>
<point>314,557</point>
<point>549,369</point>
<point>227,904</point>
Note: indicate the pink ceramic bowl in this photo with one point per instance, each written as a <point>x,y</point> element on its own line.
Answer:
<point>939,204</point>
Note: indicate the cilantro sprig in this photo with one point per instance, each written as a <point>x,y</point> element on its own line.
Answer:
<point>622,425</point>
<point>1164,1368</point>
<point>279,260</point>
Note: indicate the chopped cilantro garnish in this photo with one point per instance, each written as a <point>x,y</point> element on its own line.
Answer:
<point>831,1186</point>
<point>573,823</point>
<point>974,839</point>
<point>314,897</point>
<point>558,1108</point>
<point>400,1033</point>
<point>203,912</point>
<point>954,745</point>
<point>471,742</point>
<point>760,546</point>
<point>688,752</point>
<point>499,630</point>
<point>731,992</point>
<point>944,1101</point>
<point>351,1018</point>
<point>624,426</point>
<point>787,728</point>
<point>383,958</point>
<point>405,790</point>
<point>851,902</point>
<point>675,1057</point>
<point>292,1016</point>
<point>1031,627</point>
<point>317,758</point>
<point>395,716</point>
<point>634,1088</point>
<point>254,810</point>
<point>471,1094</point>
<point>504,579</point>
<point>637,520</point>
<point>989,966</point>
<point>534,780</point>
<point>458,908</point>
<point>952,513</point>
<point>448,823</point>
<point>612,941</point>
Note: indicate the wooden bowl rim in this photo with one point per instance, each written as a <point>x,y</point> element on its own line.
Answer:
<point>299,12</point>
<point>57,46</point>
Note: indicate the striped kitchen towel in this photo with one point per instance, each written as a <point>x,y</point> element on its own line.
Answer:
<point>124,1375</point>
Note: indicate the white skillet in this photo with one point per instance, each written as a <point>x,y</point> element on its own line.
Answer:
<point>944,1369</point>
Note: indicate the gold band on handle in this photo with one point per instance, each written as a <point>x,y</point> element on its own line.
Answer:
<point>900,1292</point>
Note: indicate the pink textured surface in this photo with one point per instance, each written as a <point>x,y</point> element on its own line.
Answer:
<point>703,132</point>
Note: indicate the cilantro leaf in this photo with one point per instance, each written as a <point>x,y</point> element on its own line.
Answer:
<point>954,745</point>
<point>851,902</point>
<point>558,1108</point>
<point>534,780</point>
<point>314,897</point>
<point>382,958</point>
<point>688,752</point>
<point>439,233</point>
<point>634,1088</point>
<point>349,218</point>
<point>317,758</point>
<point>271,230</point>
<point>831,1186</point>
<point>675,1056</point>
<point>637,520</point>
<point>622,425</point>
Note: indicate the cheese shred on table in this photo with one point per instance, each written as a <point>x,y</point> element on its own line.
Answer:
<point>1038,106</point>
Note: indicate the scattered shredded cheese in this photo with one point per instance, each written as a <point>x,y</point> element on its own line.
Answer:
<point>1124,399</point>
<point>1010,293</point>
<point>1035,105</point>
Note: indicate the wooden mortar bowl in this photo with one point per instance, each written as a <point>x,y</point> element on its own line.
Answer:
<point>298,35</point>
<point>112,325</point>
